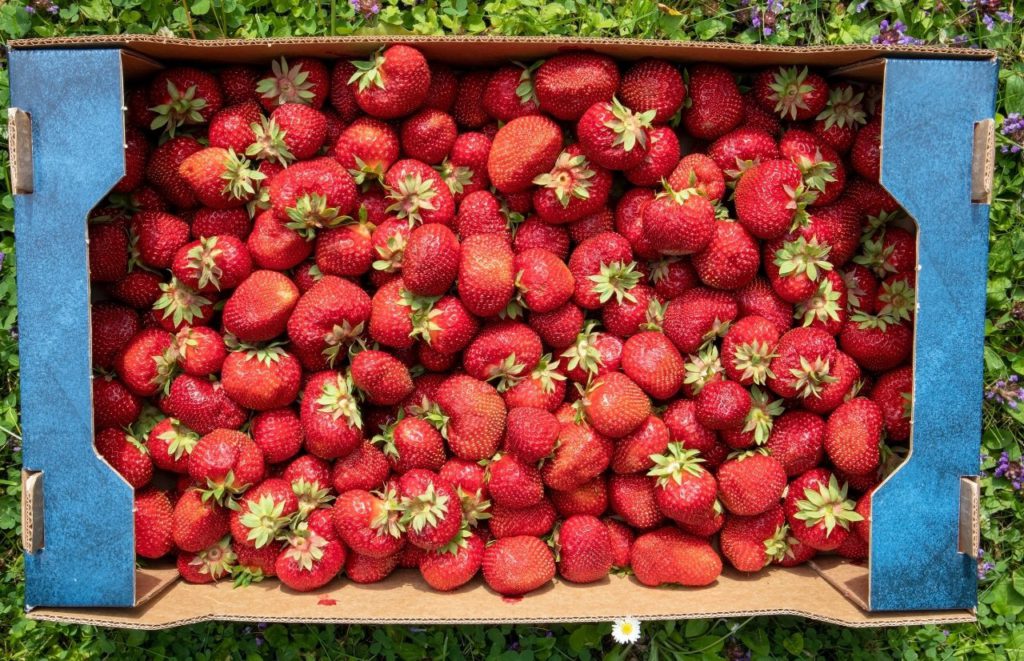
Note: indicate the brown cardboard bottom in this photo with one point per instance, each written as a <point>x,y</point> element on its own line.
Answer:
<point>827,591</point>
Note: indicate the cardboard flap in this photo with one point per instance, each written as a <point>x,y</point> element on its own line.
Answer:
<point>983,162</point>
<point>19,149</point>
<point>969,538</point>
<point>31,511</point>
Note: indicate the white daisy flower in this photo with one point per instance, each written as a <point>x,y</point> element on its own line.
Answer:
<point>626,631</point>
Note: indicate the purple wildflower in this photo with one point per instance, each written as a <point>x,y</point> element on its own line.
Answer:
<point>49,6</point>
<point>861,6</point>
<point>734,651</point>
<point>261,625</point>
<point>893,33</point>
<point>1010,470</point>
<point>3,256</point>
<point>983,569</point>
<point>259,641</point>
<point>366,8</point>
<point>766,18</point>
<point>988,11</point>
<point>1012,131</point>
<point>29,9</point>
<point>14,332</point>
<point>1006,391</point>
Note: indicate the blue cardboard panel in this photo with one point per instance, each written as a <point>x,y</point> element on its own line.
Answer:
<point>75,100</point>
<point>930,107</point>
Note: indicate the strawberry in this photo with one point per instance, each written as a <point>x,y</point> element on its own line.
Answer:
<point>153,514</point>
<point>113,404</point>
<point>367,148</point>
<point>684,489</point>
<point>869,197</point>
<point>771,198</point>
<point>513,483</point>
<point>179,306</point>
<point>476,416</point>
<point>672,276</point>
<point>513,566</point>
<point>147,362</point>
<point>759,299</point>
<point>862,528</point>
<point>480,213</point>
<point>369,523</point>
<point>893,251</point>
<point>818,511</point>
<point>714,106</point>
<point>697,317</point>
<point>559,328</point>
<point>197,523</point>
<point>418,193</point>
<point>443,88</point>
<point>207,565</point>
<point>661,158</point>
<point>364,468</point>
<point>535,520</point>
<point>748,348</point>
<point>252,565</point>
<point>575,188</point>
<point>364,569</point>
<point>342,97</point>
<point>326,319</point>
<point>162,170</point>
<point>876,342</point>
<point>633,452</point>
<point>108,251</point>
<point>679,222</point>
<point>707,523</point>
<point>303,80</point>
<point>227,463</point>
<point>740,150</point>
<point>580,454</point>
<point>170,444</point>
<point>202,405</point>
<point>853,435</point>
<point>668,556</point>
<point>826,308</point>
<point>220,178</point>
<point>505,351</point>
<point>653,85</point>
<point>278,433</point>
<point>312,195</point>
<point>698,172</point>
<point>156,237</point>
<point>309,561</point>
<point>346,250</point>
<point>412,443</point>
<point>259,309</point>
<point>392,84</point>
<point>431,511</point>
<point>261,379</point>
<point>331,420</point>
<point>893,394</point>
<point>654,363</point>
<point>866,151</point>
<point>431,260</point>
<point>113,326</point>
<point>486,278</point>
<point>274,245</point>
<point>633,499</point>
<point>469,109</point>
<point>722,405</point>
<point>382,377</point>
<point>702,368</point>
<point>446,326</point>
<point>534,233</point>
<point>566,85</point>
<point>509,93</point>
<point>454,565</point>
<point>803,365</point>
<point>466,169</point>
<point>751,543</point>
<point>583,549</point>
<point>589,498</point>
<point>136,152</point>
<point>212,263</point>
<point>613,136</point>
<point>602,267</point>
<point>751,483</point>
<point>391,315</point>
<point>822,169</point>
<point>615,405</point>
<point>796,267</point>
<point>837,124</point>
<point>730,260</point>
<point>389,240</point>
<point>183,96</point>
<point>303,130</point>
<point>846,375</point>
<point>428,136</point>
<point>264,513</point>
<point>639,310</point>
<point>797,441</point>
<point>239,82</point>
<point>523,149</point>
<point>544,281</point>
<point>531,433</point>
<point>621,538</point>
<point>791,92</point>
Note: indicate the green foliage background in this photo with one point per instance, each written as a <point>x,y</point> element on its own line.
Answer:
<point>998,633</point>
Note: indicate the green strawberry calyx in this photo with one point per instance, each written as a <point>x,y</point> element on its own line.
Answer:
<point>216,561</point>
<point>898,299</point>
<point>179,439</point>
<point>877,256</point>
<point>630,128</point>
<point>391,254</point>
<point>286,84</point>
<point>761,418</point>
<point>180,302</point>
<point>827,505</point>
<point>424,509</point>
<point>183,108</point>
<point>822,307</point>
<point>702,368</point>
<point>507,373</point>
<point>844,108</point>
<point>525,90</point>
<point>265,519</point>
<point>803,257</point>
<point>388,514</point>
<point>367,72</point>
<point>777,546</point>
<point>817,172</point>
<point>312,496</point>
<point>754,358</point>
<point>812,376</point>
<point>203,260</point>
<point>460,541</point>
<point>584,352</point>
<point>305,548</point>
<point>339,400</point>
<point>788,88</point>
<point>569,178</point>
<point>676,462</point>
<point>411,197</point>
<point>457,177</point>
<point>799,199</point>
<point>616,280</point>
<point>269,144</point>
<point>311,213</point>
<point>343,335</point>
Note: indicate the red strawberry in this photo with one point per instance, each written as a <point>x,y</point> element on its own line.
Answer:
<point>202,405</point>
<point>668,556</point>
<point>853,435</point>
<point>486,278</point>
<point>672,276</point>
<point>523,149</point>
<point>533,233</point>
<point>684,489</point>
<point>818,511</point>
<point>509,93</point>
<point>274,245</point>
<point>797,441</point>
<point>566,85</point>
<point>157,236</point>
<point>845,374</point>
<point>803,364</point>
<point>253,565</point>
<point>544,281</point>
<point>220,178</point>
<point>197,523</point>
<point>603,267</point>
<point>751,543</point>
<point>264,513</point>
<point>162,170</point>
<point>513,566</point>
<point>580,455</point>
<point>392,84</point>
<point>654,363</point>
<point>453,566</point>
<point>559,328</point>
<point>113,404</point>
<point>698,316</point>
<point>343,98</point>
<point>418,193</point>
<point>535,521</point>
<point>513,483</point>
<point>364,468</point>
<point>139,289</point>
<point>261,379</point>
<point>369,524</point>
<point>621,537</point>
<point>505,351</point>
<point>469,99</point>
<point>443,87</point>
<point>866,152</point>
<point>431,260</point>
<point>147,363</point>
<point>207,565</point>
<point>303,129</point>
<point>679,222</point>
<point>633,499</point>
<point>260,307</point>
<point>731,260</point>
<point>843,115</point>
<point>751,483</point>
<point>364,569</point>
<point>700,173</point>
<point>661,158</point>
<point>639,310</point>
<point>278,433</point>
<point>391,315</point>
<point>331,419</point>
<point>412,443</point>
<point>590,498</point>
<point>583,549</point>
<point>239,83</point>
<point>893,392</point>
<point>446,326</point>
<point>326,319</point>
<point>715,106</point>
<point>653,85</point>
<point>613,136</point>
<point>771,198</point>
<point>877,342</point>
<point>309,561</point>
<point>212,263</point>
<point>112,327</point>
<point>574,188</point>
<point>822,168</point>
<point>301,80</point>
<point>227,463</point>
<point>758,299</point>
<point>367,148</point>
<point>476,416</point>
<point>108,251</point>
<point>432,513</point>
<point>183,96</point>
<point>723,405</point>
<point>170,444</point>
<point>428,136</point>
<point>793,93</point>
<point>346,250</point>
<point>381,376</point>
<point>531,433</point>
<point>615,405</point>
<point>153,523</point>
<point>739,150</point>
<point>633,452</point>
<point>312,195</point>
<point>234,128</point>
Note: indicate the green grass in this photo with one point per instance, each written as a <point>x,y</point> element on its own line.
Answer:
<point>997,634</point>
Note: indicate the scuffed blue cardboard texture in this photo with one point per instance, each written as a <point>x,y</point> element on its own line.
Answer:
<point>74,99</point>
<point>928,123</point>
<point>88,560</point>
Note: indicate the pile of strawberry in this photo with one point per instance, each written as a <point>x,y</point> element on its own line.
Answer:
<point>362,315</point>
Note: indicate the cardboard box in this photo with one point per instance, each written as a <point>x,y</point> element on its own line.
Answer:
<point>67,139</point>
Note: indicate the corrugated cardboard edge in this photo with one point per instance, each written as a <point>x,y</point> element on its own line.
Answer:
<point>31,511</point>
<point>969,537</point>
<point>19,147</point>
<point>983,164</point>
